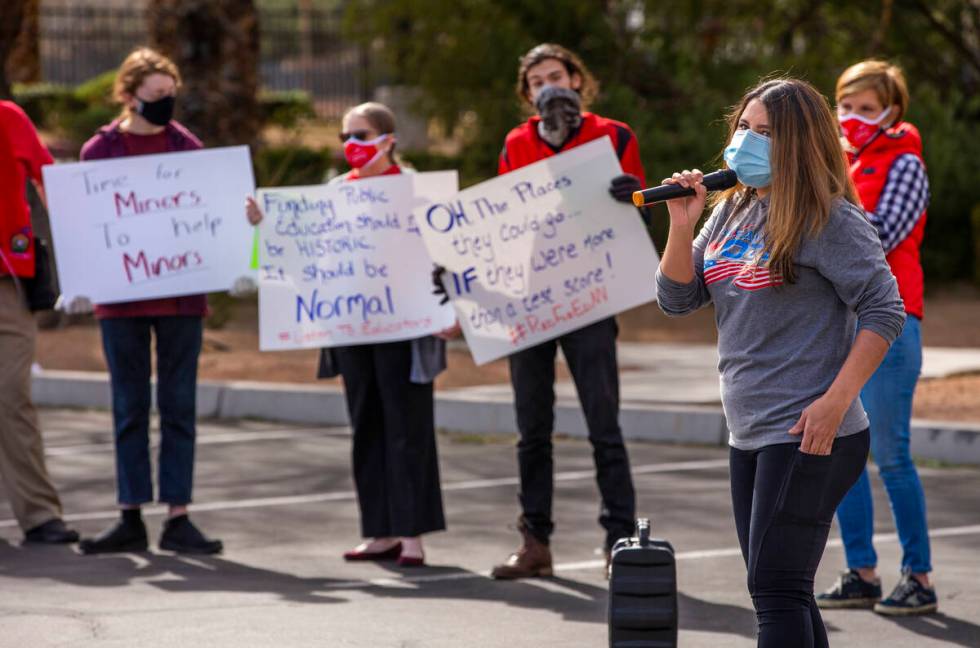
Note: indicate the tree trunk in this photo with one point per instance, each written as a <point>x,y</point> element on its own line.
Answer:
<point>24,63</point>
<point>12,14</point>
<point>215,43</point>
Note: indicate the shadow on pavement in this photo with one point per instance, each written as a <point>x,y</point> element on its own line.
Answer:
<point>704,616</point>
<point>572,600</point>
<point>942,628</point>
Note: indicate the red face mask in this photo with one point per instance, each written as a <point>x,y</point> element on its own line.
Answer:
<point>859,130</point>
<point>360,154</point>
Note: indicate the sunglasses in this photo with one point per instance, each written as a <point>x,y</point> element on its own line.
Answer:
<point>362,135</point>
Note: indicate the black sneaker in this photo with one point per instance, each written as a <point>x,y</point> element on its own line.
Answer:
<point>180,535</point>
<point>909,598</point>
<point>124,536</point>
<point>850,592</point>
<point>51,532</point>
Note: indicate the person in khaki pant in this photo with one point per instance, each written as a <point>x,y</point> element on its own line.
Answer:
<point>25,477</point>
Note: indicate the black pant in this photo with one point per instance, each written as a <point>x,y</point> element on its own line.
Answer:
<point>126,341</point>
<point>591,356</point>
<point>396,468</point>
<point>784,501</point>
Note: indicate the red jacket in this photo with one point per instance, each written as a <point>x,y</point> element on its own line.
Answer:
<point>21,156</point>
<point>110,142</point>
<point>524,146</point>
<point>869,170</point>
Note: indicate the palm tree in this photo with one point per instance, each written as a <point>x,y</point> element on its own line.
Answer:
<point>215,43</point>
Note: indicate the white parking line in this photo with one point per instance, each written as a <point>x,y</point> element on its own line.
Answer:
<point>213,438</point>
<point>335,496</point>
<point>561,568</point>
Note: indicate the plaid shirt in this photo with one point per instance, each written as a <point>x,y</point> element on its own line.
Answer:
<point>902,201</point>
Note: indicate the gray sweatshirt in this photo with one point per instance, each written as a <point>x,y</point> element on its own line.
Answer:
<point>781,345</point>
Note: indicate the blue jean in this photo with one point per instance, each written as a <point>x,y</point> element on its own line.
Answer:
<point>126,342</point>
<point>887,397</point>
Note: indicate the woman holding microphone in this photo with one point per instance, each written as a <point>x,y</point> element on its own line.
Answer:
<point>806,308</point>
<point>389,392</point>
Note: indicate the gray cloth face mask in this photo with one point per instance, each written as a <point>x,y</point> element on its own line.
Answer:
<point>561,113</point>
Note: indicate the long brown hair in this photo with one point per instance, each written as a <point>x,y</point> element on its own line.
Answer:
<point>141,63</point>
<point>809,168</point>
<point>573,65</point>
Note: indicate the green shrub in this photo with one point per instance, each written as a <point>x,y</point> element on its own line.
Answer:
<point>74,113</point>
<point>285,108</point>
<point>43,102</point>
<point>279,166</point>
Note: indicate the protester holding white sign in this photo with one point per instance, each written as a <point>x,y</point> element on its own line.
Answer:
<point>176,201</point>
<point>339,268</point>
<point>543,257</point>
<point>339,263</point>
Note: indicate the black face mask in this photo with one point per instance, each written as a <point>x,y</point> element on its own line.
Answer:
<point>561,114</point>
<point>158,112</point>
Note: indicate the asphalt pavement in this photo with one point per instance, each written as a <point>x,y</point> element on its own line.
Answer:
<point>281,498</point>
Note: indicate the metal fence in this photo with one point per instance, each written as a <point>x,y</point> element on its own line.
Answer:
<point>300,49</point>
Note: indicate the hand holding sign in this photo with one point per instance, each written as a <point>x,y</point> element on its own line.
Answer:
<point>540,251</point>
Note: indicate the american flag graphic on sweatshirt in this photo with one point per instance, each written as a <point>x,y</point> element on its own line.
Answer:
<point>739,256</point>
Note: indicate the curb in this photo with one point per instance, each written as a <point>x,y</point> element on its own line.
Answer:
<point>464,411</point>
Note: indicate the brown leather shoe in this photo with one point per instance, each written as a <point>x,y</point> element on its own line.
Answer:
<point>532,559</point>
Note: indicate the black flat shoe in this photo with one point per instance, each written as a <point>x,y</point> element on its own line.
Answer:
<point>122,537</point>
<point>180,535</point>
<point>51,532</point>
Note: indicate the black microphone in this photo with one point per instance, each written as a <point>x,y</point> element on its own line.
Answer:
<point>724,179</point>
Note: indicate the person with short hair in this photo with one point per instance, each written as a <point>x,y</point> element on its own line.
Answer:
<point>560,87</point>
<point>147,86</point>
<point>885,153</point>
<point>32,496</point>
<point>806,308</point>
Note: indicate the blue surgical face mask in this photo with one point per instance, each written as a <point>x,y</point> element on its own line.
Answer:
<point>748,156</point>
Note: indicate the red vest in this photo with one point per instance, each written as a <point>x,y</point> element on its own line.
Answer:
<point>21,157</point>
<point>524,146</point>
<point>869,170</point>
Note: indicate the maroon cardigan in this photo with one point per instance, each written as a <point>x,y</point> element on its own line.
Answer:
<point>110,142</point>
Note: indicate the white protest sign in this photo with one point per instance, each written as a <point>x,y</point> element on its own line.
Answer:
<point>344,263</point>
<point>540,251</point>
<point>151,226</point>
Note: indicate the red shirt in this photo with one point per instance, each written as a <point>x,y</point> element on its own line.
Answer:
<point>120,144</point>
<point>869,170</point>
<point>21,157</point>
<point>353,174</point>
<point>524,146</point>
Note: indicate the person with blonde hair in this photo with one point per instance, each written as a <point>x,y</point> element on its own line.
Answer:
<point>389,391</point>
<point>146,86</point>
<point>806,308</point>
<point>885,153</point>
